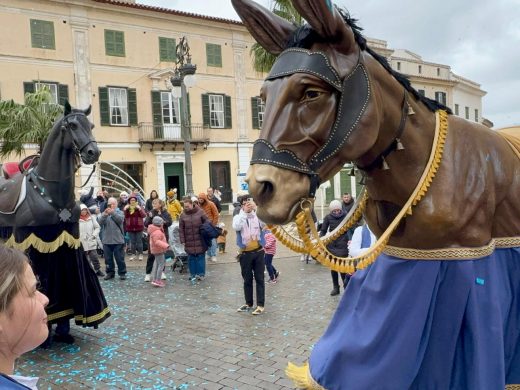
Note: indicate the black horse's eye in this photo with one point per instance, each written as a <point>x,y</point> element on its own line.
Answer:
<point>73,126</point>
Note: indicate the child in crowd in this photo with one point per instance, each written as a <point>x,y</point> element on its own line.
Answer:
<point>158,247</point>
<point>269,252</point>
<point>221,240</point>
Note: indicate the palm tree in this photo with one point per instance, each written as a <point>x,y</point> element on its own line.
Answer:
<point>262,60</point>
<point>28,123</point>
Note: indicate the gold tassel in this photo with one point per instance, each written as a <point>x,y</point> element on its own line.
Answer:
<point>385,166</point>
<point>399,145</point>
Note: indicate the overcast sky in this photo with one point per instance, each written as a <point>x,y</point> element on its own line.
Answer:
<point>479,39</point>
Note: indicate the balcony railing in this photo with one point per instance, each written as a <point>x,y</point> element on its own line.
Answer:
<point>150,133</point>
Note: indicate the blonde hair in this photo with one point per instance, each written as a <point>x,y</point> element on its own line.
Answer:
<point>12,270</point>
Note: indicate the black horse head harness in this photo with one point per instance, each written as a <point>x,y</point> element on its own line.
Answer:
<point>66,125</point>
<point>354,93</point>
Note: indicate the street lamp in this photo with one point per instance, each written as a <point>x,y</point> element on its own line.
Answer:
<point>184,76</point>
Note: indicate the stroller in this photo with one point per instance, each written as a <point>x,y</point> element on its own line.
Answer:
<point>180,257</point>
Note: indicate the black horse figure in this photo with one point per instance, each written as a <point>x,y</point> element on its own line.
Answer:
<point>38,205</point>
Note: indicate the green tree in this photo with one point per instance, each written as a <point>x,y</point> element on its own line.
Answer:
<point>262,60</point>
<point>28,123</point>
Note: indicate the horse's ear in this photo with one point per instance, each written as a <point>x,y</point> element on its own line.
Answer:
<point>325,19</point>
<point>88,110</point>
<point>67,108</point>
<point>269,30</point>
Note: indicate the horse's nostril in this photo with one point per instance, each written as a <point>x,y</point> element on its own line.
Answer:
<point>90,152</point>
<point>266,191</point>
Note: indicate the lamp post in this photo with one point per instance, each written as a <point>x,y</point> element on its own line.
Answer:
<point>183,76</point>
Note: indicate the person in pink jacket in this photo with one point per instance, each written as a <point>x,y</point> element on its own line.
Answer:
<point>158,246</point>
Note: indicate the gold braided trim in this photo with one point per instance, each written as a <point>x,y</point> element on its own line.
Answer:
<point>507,242</point>
<point>79,318</point>
<point>513,387</point>
<point>315,245</point>
<point>44,246</point>
<point>301,376</point>
<point>352,217</point>
<point>441,254</point>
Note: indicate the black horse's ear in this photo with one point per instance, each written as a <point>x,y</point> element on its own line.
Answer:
<point>88,110</point>
<point>325,19</point>
<point>67,108</point>
<point>269,30</point>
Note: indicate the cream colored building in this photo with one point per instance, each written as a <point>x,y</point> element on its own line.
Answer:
<point>120,56</point>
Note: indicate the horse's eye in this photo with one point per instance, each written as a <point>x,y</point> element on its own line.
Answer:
<point>73,126</point>
<point>311,94</point>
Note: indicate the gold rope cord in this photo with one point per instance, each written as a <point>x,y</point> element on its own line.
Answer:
<point>352,217</point>
<point>311,242</point>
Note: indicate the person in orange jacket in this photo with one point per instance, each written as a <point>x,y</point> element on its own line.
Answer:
<point>211,212</point>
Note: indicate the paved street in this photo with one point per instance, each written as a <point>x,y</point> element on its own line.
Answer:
<point>190,336</point>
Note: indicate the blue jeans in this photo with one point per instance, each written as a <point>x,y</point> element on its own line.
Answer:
<point>268,259</point>
<point>116,251</point>
<point>212,250</point>
<point>197,265</point>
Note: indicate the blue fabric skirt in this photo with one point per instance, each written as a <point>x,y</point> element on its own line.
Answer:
<point>427,324</point>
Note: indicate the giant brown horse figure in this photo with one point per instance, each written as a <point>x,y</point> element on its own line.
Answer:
<point>440,307</point>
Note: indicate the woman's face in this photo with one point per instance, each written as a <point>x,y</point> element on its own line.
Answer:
<point>84,212</point>
<point>24,323</point>
<point>156,204</point>
<point>154,195</point>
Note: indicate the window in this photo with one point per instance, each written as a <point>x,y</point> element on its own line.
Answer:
<point>438,71</point>
<point>456,109</point>
<point>118,106</point>
<point>476,115</point>
<point>257,110</point>
<point>440,97</point>
<point>170,109</point>
<point>467,112</point>
<point>421,92</point>
<point>398,65</point>
<point>59,92</point>
<point>420,69</point>
<point>216,111</point>
<point>167,49</point>
<point>114,43</point>
<point>42,34</point>
<point>213,55</point>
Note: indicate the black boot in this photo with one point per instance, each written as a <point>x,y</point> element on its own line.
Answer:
<point>335,291</point>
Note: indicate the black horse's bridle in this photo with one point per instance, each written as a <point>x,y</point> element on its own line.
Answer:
<point>66,126</point>
<point>354,92</point>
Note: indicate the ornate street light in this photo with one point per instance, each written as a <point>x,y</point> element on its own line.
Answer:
<point>184,76</point>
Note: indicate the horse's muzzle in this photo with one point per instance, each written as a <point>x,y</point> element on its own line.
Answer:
<point>90,154</point>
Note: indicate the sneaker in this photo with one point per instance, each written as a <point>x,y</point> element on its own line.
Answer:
<point>258,310</point>
<point>335,291</point>
<point>271,281</point>
<point>132,257</point>
<point>147,277</point>
<point>277,275</point>
<point>100,273</point>
<point>156,283</point>
<point>244,308</point>
<point>200,277</point>
<point>193,279</point>
<point>214,259</point>
<point>140,258</point>
<point>163,276</point>
<point>108,276</point>
<point>302,258</point>
<point>122,277</point>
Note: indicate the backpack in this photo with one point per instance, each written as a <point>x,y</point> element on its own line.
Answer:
<point>208,232</point>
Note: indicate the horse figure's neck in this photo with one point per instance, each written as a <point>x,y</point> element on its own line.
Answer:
<point>56,168</point>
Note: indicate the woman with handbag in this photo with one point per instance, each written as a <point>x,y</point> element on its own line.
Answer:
<point>189,231</point>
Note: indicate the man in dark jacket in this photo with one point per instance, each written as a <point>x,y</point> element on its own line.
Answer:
<point>338,247</point>
<point>189,232</point>
<point>347,201</point>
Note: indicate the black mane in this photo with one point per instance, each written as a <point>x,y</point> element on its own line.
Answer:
<point>305,36</point>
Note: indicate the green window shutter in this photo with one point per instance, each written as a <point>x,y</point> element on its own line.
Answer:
<point>156,108</point>
<point>213,55</point>
<point>218,56</point>
<point>104,107</point>
<point>254,111</point>
<point>63,94</point>
<point>115,43</point>
<point>167,49</point>
<point>42,34</point>
<point>28,87</point>
<point>132,106</point>
<point>205,110</point>
<point>227,112</point>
